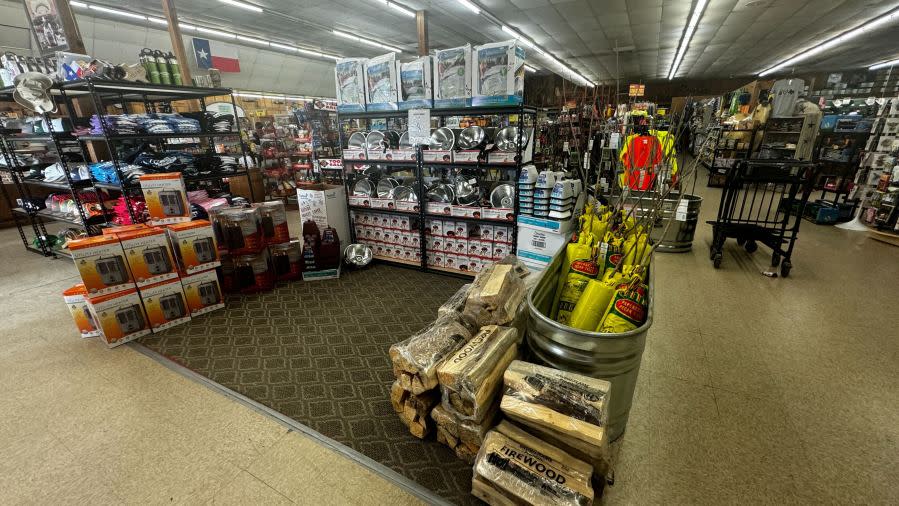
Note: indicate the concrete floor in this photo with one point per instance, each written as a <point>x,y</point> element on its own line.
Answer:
<point>753,390</point>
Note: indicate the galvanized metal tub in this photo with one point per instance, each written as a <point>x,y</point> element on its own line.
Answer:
<point>679,238</point>
<point>612,357</point>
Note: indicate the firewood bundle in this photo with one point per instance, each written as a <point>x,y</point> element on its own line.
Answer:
<point>416,359</point>
<point>414,410</point>
<point>514,467</point>
<point>462,436</point>
<point>565,409</point>
<point>456,302</point>
<point>495,296</point>
<point>471,378</point>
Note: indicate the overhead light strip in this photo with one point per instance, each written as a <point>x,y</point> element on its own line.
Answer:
<point>117,12</point>
<point>871,25</point>
<point>363,40</point>
<point>528,68</point>
<point>470,6</point>
<point>884,65</point>
<point>242,5</point>
<point>527,43</point>
<point>687,37</point>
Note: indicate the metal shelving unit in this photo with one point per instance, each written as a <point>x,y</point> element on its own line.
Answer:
<point>419,166</point>
<point>717,173</point>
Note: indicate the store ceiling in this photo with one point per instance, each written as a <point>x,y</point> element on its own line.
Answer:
<point>734,37</point>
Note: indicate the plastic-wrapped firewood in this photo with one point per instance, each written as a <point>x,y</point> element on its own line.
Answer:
<point>569,407</point>
<point>462,436</point>
<point>514,467</point>
<point>416,359</point>
<point>471,377</point>
<point>414,410</point>
<point>456,302</point>
<point>495,296</point>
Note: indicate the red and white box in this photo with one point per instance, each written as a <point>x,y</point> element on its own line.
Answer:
<point>451,261</point>
<point>437,155</point>
<point>354,154</point>
<point>498,213</point>
<point>436,259</point>
<point>436,227</point>
<point>487,232</point>
<point>474,247</point>
<point>440,208</point>
<point>466,156</point>
<point>466,212</point>
<point>502,234</point>
<point>414,240</point>
<point>501,250</point>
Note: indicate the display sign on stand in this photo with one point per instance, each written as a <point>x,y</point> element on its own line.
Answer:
<point>419,126</point>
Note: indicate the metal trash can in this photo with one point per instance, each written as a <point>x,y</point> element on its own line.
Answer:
<point>612,357</point>
<point>679,238</point>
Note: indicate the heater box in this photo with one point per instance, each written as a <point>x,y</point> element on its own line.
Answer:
<point>194,246</point>
<point>119,316</point>
<point>165,305</point>
<point>415,84</point>
<point>453,77</point>
<point>499,69</point>
<point>101,263</point>
<point>166,198</point>
<point>203,292</point>
<point>76,299</point>
<point>149,257</point>
<point>350,76</point>
<point>382,83</point>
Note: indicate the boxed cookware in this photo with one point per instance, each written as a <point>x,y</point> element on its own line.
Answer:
<point>148,255</point>
<point>194,246</point>
<point>166,198</point>
<point>499,79</point>
<point>119,316</point>
<point>382,83</point>
<point>453,77</point>
<point>350,76</point>
<point>165,305</point>
<point>102,265</point>
<point>76,299</point>
<point>202,292</point>
<point>415,83</point>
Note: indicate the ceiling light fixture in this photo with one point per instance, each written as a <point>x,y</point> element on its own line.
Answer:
<point>78,4</point>
<point>884,65</point>
<point>249,95</point>
<point>242,5</point>
<point>401,9</point>
<point>470,6</point>
<point>528,68</point>
<point>365,41</point>
<point>874,24</point>
<point>117,12</point>
<point>186,26</point>
<point>252,40</point>
<point>519,37</point>
<point>687,37</point>
<point>282,46</point>
<point>221,34</point>
<point>158,21</point>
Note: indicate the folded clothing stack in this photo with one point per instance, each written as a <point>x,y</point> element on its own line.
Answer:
<point>131,124</point>
<point>220,122</point>
<point>120,210</point>
<point>104,172</point>
<point>118,124</point>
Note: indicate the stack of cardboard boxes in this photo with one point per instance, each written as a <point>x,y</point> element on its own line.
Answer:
<point>390,236</point>
<point>465,246</point>
<point>141,278</point>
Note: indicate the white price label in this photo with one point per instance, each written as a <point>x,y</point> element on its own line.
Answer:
<point>680,215</point>
<point>419,126</point>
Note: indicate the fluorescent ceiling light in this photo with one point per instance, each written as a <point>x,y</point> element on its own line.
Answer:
<point>185,26</point>
<point>470,6</point>
<point>365,41</point>
<point>401,9</point>
<point>687,37</point>
<point>242,5</point>
<point>282,46</point>
<point>252,40</point>
<point>78,4</point>
<point>221,34</point>
<point>518,36</point>
<point>874,24</point>
<point>528,68</point>
<point>117,12</point>
<point>158,21</point>
<point>248,95</point>
<point>884,65</point>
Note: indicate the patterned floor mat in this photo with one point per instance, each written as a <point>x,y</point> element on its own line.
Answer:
<point>317,352</point>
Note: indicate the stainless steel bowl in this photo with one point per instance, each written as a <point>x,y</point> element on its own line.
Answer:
<point>356,140</point>
<point>378,140</point>
<point>505,139</point>
<point>442,139</point>
<point>473,137</point>
<point>503,196</point>
<point>359,255</point>
<point>404,141</point>
<point>442,192</point>
<point>467,193</point>
<point>363,188</point>
<point>403,194</point>
<point>385,186</point>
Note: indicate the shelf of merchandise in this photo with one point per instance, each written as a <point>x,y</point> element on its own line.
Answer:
<point>44,214</point>
<point>716,173</point>
<point>420,165</point>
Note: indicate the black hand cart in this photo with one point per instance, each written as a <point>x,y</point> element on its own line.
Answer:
<point>763,202</point>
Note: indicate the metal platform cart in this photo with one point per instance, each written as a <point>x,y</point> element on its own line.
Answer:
<point>763,202</point>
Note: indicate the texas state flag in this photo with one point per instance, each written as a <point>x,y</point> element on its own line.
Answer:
<point>216,55</point>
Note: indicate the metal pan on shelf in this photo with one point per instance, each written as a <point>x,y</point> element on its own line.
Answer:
<point>473,137</point>
<point>358,255</point>
<point>442,139</point>
<point>357,140</point>
<point>385,186</point>
<point>467,191</point>
<point>404,141</point>
<point>363,188</point>
<point>506,139</point>
<point>442,192</point>
<point>503,195</point>
<point>403,194</point>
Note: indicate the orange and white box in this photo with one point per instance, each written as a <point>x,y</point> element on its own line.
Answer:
<point>194,246</point>
<point>76,299</point>
<point>202,292</point>
<point>102,265</point>
<point>121,229</point>
<point>149,256</point>
<point>165,305</point>
<point>119,316</point>
<point>166,198</point>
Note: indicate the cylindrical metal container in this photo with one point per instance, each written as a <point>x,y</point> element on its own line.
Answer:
<point>612,357</point>
<point>679,238</point>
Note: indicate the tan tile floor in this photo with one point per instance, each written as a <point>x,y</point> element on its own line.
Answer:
<point>753,390</point>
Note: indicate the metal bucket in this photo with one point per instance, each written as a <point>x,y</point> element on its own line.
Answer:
<point>612,357</point>
<point>679,238</point>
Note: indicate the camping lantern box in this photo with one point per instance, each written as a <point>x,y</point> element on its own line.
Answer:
<point>202,292</point>
<point>149,257</point>
<point>165,305</point>
<point>76,299</point>
<point>119,316</point>
<point>166,198</point>
<point>194,246</point>
<point>101,262</point>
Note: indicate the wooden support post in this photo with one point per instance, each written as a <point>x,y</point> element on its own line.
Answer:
<point>70,27</point>
<point>421,21</point>
<point>171,15</point>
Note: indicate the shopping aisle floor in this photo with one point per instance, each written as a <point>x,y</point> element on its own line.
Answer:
<point>753,390</point>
